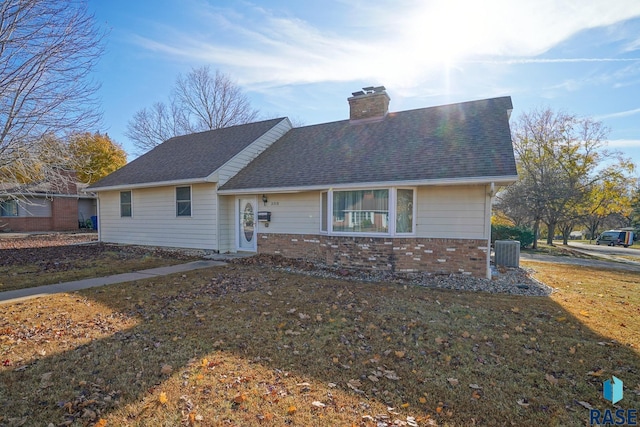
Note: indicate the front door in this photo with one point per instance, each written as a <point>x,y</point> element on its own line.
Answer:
<point>247,216</point>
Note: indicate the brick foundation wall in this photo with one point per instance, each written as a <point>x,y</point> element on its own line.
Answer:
<point>437,256</point>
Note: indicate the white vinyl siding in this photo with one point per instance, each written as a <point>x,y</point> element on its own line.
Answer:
<point>296,213</point>
<point>227,223</point>
<point>452,212</point>
<point>455,212</point>
<point>154,219</point>
<point>243,158</point>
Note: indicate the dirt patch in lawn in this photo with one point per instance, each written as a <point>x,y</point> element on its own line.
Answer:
<point>248,345</point>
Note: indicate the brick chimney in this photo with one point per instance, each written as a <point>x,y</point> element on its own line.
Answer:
<point>371,103</point>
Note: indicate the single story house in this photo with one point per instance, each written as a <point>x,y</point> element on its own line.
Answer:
<point>46,206</point>
<point>400,191</point>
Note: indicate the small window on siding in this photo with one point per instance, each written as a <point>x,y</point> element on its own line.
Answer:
<point>183,201</point>
<point>9,208</point>
<point>125,204</point>
<point>404,211</point>
<point>324,208</point>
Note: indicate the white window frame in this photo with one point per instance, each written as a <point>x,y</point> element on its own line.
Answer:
<point>324,210</point>
<point>130,203</point>
<point>190,201</point>
<point>392,213</point>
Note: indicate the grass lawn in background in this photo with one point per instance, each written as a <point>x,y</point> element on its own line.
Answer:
<point>247,345</point>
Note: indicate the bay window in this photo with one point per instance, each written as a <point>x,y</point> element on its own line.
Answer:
<point>373,211</point>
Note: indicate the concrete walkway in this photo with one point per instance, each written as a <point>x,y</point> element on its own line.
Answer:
<point>28,293</point>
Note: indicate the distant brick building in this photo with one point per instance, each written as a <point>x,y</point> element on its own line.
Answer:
<point>46,206</point>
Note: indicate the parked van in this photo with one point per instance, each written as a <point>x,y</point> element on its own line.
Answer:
<point>615,238</point>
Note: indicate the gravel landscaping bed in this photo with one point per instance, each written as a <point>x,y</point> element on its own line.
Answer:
<point>513,281</point>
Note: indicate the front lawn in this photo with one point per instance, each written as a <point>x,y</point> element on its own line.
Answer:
<point>243,345</point>
<point>27,267</point>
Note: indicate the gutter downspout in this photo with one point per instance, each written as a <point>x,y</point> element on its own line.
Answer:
<point>98,214</point>
<point>488,201</point>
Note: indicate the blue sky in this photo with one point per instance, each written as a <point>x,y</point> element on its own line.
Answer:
<point>302,59</point>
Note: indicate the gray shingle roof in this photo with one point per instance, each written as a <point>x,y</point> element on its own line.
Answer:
<point>456,141</point>
<point>188,157</point>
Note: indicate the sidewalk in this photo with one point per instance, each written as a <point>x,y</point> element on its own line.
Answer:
<point>28,293</point>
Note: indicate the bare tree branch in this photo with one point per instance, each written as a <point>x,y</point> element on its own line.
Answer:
<point>150,127</point>
<point>200,101</point>
<point>48,50</point>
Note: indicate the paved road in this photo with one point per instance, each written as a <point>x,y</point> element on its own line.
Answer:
<point>608,250</point>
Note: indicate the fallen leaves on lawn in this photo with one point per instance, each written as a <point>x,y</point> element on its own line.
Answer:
<point>597,373</point>
<point>552,380</point>
<point>353,354</point>
<point>584,404</point>
<point>162,398</point>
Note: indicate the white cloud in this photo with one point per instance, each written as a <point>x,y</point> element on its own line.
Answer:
<point>619,114</point>
<point>514,61</point>
<point>633,45</point>
<point>624,143</point>
<point>403,44</point>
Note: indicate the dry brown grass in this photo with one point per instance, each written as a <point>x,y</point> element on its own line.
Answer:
<point>240,346</point>
<point>607,301</point>
<point>30,267</point>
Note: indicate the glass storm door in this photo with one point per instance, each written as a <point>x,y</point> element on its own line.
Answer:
<point>247,216</point>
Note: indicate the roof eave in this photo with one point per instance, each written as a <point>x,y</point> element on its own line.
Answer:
<point>499,180</point>
<point>150,184</point>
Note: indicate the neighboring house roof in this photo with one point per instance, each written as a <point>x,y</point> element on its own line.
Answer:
<point>452,143</point>
<point>188,157</point>
<point>45,189</point>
